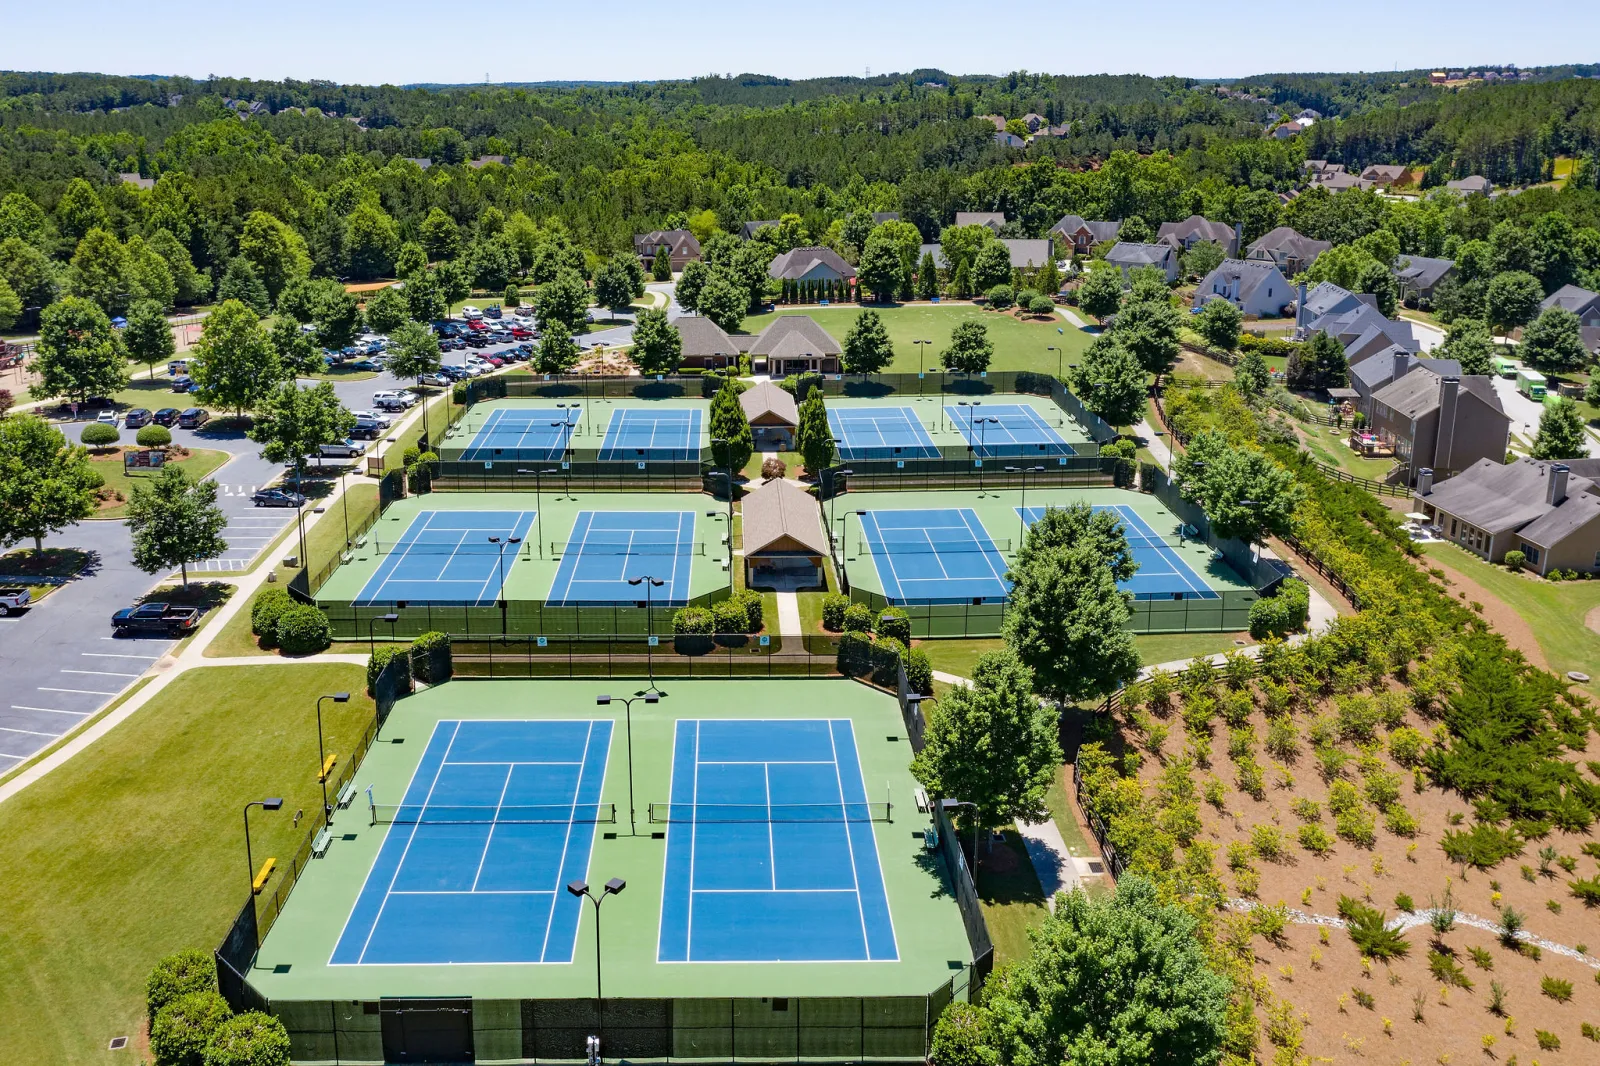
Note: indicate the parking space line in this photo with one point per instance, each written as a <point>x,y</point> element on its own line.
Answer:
<point>116,655</point>
<point>49,710</point>
<point>77,691</point>
<point>27,732</point>
<point>100,673</point>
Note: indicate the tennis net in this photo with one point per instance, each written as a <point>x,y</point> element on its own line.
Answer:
<point>446,814</point>
<point>591,547</point>
<point>412,547</point>
<point>922,546</point>
<point>663,813</point>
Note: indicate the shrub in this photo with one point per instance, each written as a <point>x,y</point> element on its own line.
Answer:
<point>1405,746</point>
<point>1000,297</point>
<point>1270,922</point>
<point>1307,809</point>
<point>1447,971</point>
<point>182,1029</point>
<point>894,622</point>
<point>1367,929</point>
<point>1482,959</point>
<point>153,436</point>
<point>1267,842</point>
<point>1586,889</point>
<point>1515,560</point>
<point>772,468</point>
<point>1356,826</point>
<point>99,434</point>
<point>1282,614</point>
<point>1041,305</point>
<point>753,612</point>
<point>958,1038</point>
<point>249,1039</point>
<point>1556,988</point>
<point>1404,902</point>
<point>919,671</point>
<point>178,975</point>
<point>855,653</point>
<point>886,655</point>
<point>729,616</point>
<point>1315,839</point>
<point>1590,1032</point>
<point>1482,846</point>
<point>834,604</point>
<point>693,622</point>
<point>430,658</point>
<point>303,630</point>
<point>265,612</point>
<point>1399,821</point>
<point>1548,1041</point>
<point>380,660</point>
<point>858,618</point>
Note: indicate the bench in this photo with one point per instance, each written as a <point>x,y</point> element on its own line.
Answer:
<point>347,795</point>
<point>921,796</point>
<point>319,846</point>
<point>261,878</point>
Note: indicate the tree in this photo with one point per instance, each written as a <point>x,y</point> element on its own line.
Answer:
<point>336,316</point>
<point>1135,230</point>
<point>558,352</point>
<point>233,364</point>
<point>1149,283</point>
<point>991,266</point>
<point>661,266</point>
<point>1066,622</point>
<point>813,436</point>
<point>386,309</point>
<point>189,284</point>
<point>866,345</point>
<point>613,287</point>
<point>80,355</point>
<point>729,424</point>
<point>492,262</point>
<point>1554,341</point>
<point>1471,345</point>
<point>148,337</point>
<point>1100,292</point>
<point>1252,376</point>
<point>46,484</point>
<point>411,261</point>
<point>297,353</point>
<point>1120,979</point>
<point>1377,280</point>
<point>1202,258</point>
<point>149,277</point>
<point>927,277</point>
<point>1318,364</point>
<point>1244,493</point>
<point>22,218</point>
<point>879,270</point>
<point>79,210</point>
<point>634,269</point>
<point>1219,322</point>
<point>240,282</point>
<point>657,344</point>
<point>441,237</point>
<point>961,283</point>
<point>970,350</point>
<point>10,305</point>
<point>291,422</point>
<point>723,301</point>
<point>1149,330</point>
<point>1111,382</point>
<point>99,272</point>
<point>29,272</point>
<point>275,250</point>
<point>691,282</point>
<point>1561,432</point>
<point>992,743</point>
<point>564,301</point>
<point>1513,299</point>
<point>424,300</point>
<point>175,522</point>
<point>413,351</point>
<point>455,284</point>
<point>253,1038</point>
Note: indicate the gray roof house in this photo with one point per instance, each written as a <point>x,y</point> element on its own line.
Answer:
<point>810,264</point>
<point>993,219</point>
<point>1341,181</point>
<point>1197,228</point>
<point>1255,286</point>
<point>135,180</point>
<point>1419,275</point>
<point>1381,174</point>
<point>1082,234</point>
<point>773,416</point>
<point>704,343</point>
<point>1591,339</point>
<point>1131,257</point>
<point>795,344</point>
<point>880,217</point>
<point>1475,183</point>
<point>1549,511</point>
<point>680,244</point>
<point>1581,302</point>
<point>1009,140</point>
<point>784,542</point>
<point>750,229</point>
<point>1026,253</point>
<point>1291,252</point>
<point>1372,371</point>
<point>1439,423</point>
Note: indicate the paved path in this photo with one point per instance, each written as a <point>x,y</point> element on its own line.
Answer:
<point>1072,318</point>
<point>789,615</point>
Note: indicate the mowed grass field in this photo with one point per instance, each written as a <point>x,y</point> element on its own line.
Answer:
<point>1019,344</point>
<point>134,848</point>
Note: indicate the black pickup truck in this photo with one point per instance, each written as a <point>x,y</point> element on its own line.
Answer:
<point>155,618</point>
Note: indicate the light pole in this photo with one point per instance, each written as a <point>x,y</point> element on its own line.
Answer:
<point>372,641</point>
<point>833,507</point>
<point>920,352</point>
<point>273,804</point>
<point>1022,518</point>
<point>538,503</point>
<point>729,517</point>
<point>727,451</point>
<point>322,758</point>
<point>1057,350</point>
<point>500,564</point>
<point>580,888</point>
<point>649,628</point>
<point>627,701</point>
<point>844,535</point>
<point>948,805</point>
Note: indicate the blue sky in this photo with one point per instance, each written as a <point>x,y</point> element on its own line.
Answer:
<point>411,40</point>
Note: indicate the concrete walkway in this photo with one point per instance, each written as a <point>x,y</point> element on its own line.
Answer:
<point>789,615</point>
<point>1072,318</point>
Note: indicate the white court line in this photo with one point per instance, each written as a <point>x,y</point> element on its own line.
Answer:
<point>488,840</point>
<point>566,842</point>
<point>844,813</point>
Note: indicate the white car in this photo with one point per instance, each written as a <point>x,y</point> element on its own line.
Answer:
<point>109,417</point>
<point>389,400</point>
<point>471,313</point>
<point>376,416</point>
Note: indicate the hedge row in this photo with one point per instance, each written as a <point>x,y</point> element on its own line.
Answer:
<point>192,1025</point>
<point>279,621</point>
<point>739,613</point>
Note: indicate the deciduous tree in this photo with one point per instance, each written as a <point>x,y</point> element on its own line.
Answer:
<point>240,282</point>
<point>175,521</point>
<point>1513,299</point>
<point>441,237</point>
<point>1219,324</point>
<point>297,353</point>
<point>386,309</point>
<point>1202,258</point>
<point>991,266</point>
<point>1244,493</point>
<point>1100,292</point>
<point>558,352</point>
<point>657,344</point>
<point>691,282</point>
<point>148,337</point>
<point>879,270</point>
<point>291,422</point>
<point>46,484</point>
<point>613,286</point>
<point>10,305</point>
<point>866,345</point>
<point>413,351</point>
<point>1561,432</point>
<point>564,300</point>
<point>1252,376</point>
<point>1066,622</point>
<point>275,250</point>
<point>1149,330</point>
<point>232,363</point>
<point>80,355</point>
<point>1554,341</point>
<point>1471,345</point>
<point>99,272</point>
<point>723,301</point>
<point>1110,382</point>
<point>970,350</point>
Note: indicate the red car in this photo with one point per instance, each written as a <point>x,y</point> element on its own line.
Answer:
<point>521,332</point>
<point>476,324</point>
<point>494,360</point>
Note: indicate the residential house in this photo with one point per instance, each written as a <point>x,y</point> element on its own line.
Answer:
<point>1033,121</point>
<point>993,219</point>
<point>1383,175</point>
<point>1321,168</point>
<point>810,264</point>
<point>1443,424</point>
<point>680,245</point>
<point>1373,370</point>
<point>137,181</point>
<point>795,344</point>
<point>750,229</point>
<point>1286,249</point>
<point>1255,286</point>
<point>1026,253</point>
<point>773,416</point>
<point>1308,116</point>
<point>1009,140</point>
<point>1591,340</point>
<point>705,345</point>
<point>1581,302</point>
<point>1419,276</point>
<point>1130,257</point>
<point>422,163</point>
<point>880,217</point>
<point>1288,129</point>
<point>484,160</point>
<point>1186,234</point>
<point>1468,186</point>
<point>998,121</point>
<point>1341,180</point>
<point>1082,235</point>
<point>1547,510</point>
<point>784,543</point>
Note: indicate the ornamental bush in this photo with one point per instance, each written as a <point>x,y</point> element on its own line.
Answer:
<point>178,975</point>
<point>1280,615</point>
<point>264,615</point>
<point>751,601</point>
<point>886,656</point>
<point>249,1039</point>
<point>182,1029</point>
<point>1515,560</point>
<point>153,436</point>
<point>430,658</point>
<point>1041,305</point>
<point>858,618</point>
<point>303,630</point>
<point>893,622</point>
<point>99,434</point>
<point>728,616</point>
<point>1000,297</point>
<point>855,654</point>
<point>692,622</point>
<point>834,604</point>
<point>381,660</point>
<point>919,672</point>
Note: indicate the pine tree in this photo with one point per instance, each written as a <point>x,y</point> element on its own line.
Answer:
<point>813,437</point>
<point>927,278</point>
<point>729,424</point>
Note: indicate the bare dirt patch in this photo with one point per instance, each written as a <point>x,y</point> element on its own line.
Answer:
<point>1592,619</point>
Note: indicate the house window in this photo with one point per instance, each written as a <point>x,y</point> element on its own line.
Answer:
<point>1533,553</point>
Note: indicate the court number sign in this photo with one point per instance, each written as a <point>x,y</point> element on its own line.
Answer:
<point>544,642</point>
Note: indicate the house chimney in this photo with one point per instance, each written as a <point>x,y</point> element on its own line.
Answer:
<point>1402,362</point>
<point>1557,491</point>
<point>1300,312</point>
<point>1445,438</point>
<point>1425,481</point>
<point>1238,239</point>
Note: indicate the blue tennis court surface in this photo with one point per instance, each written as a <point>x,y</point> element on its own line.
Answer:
<point>770,854</point>
<point>1163,573</point>
<point>536,435</point>
<point>880,433</point>
<point>607,548</point>
<point>498,817</point>
<point>1007,431</point>
<point>943,556</point>
<point>445,557</point>
<point>634,433</point>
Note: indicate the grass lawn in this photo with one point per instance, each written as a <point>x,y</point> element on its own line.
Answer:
<point>752,469</point>
<point>1328,445</point>
<point>201,462</point>
<point>959,656</point>
<point>133,849</point>
<point>341,372</point>
<point>1554,610</point>
<point>52,562</point>
<point>1013,901</point>
<point>1018,344</point>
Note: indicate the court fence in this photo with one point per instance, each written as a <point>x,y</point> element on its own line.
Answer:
<point>529,620</point>
<point>724,656</point>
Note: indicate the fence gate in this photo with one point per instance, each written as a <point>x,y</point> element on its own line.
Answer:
<point>427,1030</point>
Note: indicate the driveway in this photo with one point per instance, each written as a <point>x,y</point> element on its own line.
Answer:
<point>1525,412</point>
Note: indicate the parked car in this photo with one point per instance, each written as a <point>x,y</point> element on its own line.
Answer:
<point>395,400</point>
<point>139,416</point>
<point>524,311</point>
<point>14,598</point>
<point>367,364</point>
<point>521,332</point>
<point>477,340</point>
<point>278,498</point>
<point>167,416</point>
<point>501,336</point>
<point>470,313</point>
<point>345,449</point>
<point>181,383</point>
<point>435,378</point>
<point>492,311</point>
<point>365,429</point>
<point>194,418</point>
<point>178,366</point>
<point>108,417</point>
<point>155,618</point>
<point>377,416</point>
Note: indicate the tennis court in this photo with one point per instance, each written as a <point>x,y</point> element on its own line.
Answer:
<point>447,557</point>
<point>607,549</point>
<point>935,556</point>
<point>646,435</point>
<point>771,855</point>
<point>880,433</point>
<point>535,435</point>
<point>497,818</point>
<point>1163,573</point>
<point>1007,431</point>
